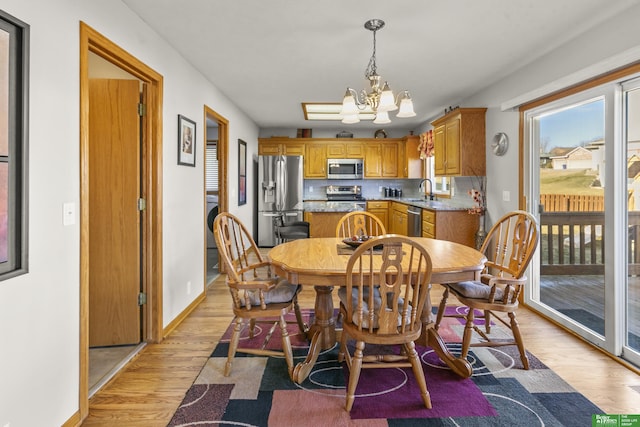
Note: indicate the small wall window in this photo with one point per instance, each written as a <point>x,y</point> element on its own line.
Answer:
<point>441,184</point>
<point>14,60</point>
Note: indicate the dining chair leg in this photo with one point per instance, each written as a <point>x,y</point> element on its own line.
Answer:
<point>468,331</point>
<point>515,328</point>
<point>416,365</point>
<point>487,321</point>
<point>252,327</point>
<point>354,375</point>
<point>343,353</point>
<point>233,345</point>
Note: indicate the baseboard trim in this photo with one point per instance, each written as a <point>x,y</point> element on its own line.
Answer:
<point>74,421</point>
<point>183,315</point>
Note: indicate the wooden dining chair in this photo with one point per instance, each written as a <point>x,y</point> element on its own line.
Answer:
<point>381,304</point>
<point>258,295</point>
<point>359,223</point>
<point>509,246</point>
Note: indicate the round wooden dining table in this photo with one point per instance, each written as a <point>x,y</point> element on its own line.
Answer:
<point>322,262</point>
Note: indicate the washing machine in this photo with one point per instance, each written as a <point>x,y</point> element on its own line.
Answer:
<point>212,211</point>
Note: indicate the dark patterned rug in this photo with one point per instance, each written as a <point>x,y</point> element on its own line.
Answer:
<point>500,393</point>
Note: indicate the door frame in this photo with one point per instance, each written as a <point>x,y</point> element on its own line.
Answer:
<point>223,158</point>
<point>151,180</point>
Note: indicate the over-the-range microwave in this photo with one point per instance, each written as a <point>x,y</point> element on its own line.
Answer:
<point>345,168</point>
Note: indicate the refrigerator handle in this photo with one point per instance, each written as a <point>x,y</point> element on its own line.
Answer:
<point>278,184</point>
<point>284,184</point>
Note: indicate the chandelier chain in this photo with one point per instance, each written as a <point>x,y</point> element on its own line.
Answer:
<point>372,69</point>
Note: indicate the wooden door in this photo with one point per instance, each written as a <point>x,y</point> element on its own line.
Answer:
<point>114,218</point>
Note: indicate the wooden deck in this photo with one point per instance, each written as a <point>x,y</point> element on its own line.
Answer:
<point>581,297</point>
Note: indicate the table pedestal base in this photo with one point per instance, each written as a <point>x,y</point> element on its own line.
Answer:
<point>322,332</point>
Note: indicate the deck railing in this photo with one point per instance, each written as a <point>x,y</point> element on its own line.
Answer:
<point>573,243</point>
<point>572,202</point>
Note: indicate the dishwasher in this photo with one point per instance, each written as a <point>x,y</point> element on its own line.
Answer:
<point>414,222</point>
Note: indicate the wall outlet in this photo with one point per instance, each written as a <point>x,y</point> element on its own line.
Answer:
<point>189,288</point>
<point>310,189</point>
<point>380,188</point>
<point>506,196</point>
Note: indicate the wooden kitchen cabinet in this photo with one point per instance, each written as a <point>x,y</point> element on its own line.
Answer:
<point>315,160</point>
<point>399,219</point>
<point>455,226</point>
<point>323,224</point>
<point>351,149</point>
<point>381,210</point>
<point>409,162</point>
<point>388,158</point>
<point>280,146</point>
<point>459,143</point>
<point>381,159</point>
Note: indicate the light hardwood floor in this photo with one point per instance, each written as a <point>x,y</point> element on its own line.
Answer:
<point>150,388</point>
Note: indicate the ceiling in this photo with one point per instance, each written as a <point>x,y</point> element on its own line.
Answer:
<point>269,56</point>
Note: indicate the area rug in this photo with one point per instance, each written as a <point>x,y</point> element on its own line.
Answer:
<point>500,393</point>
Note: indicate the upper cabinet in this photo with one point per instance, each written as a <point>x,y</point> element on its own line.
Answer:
<point>410,163</point>
<point>350,149</point>
<point>459,143</point>
<point>280,146</point>
<point>315,160</point>
<point>383,158</point>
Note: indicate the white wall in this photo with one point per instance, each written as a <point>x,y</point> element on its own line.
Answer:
<point>39,311</point>
<point>613,44</point>
<point>39,323</point>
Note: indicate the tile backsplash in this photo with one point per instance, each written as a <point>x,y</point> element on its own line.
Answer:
<point>315,189</point>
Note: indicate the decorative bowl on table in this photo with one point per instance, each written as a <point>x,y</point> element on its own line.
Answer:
<point>356,241</point>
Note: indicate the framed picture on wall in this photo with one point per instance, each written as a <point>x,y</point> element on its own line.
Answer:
<point>186,141</point>
<point>242,172</point>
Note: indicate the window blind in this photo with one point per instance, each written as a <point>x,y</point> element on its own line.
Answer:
<point>211,172</point>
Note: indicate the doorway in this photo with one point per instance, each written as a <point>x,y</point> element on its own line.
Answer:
<point>217,147</point>
<point>148,219</point>
<point>115,321</point>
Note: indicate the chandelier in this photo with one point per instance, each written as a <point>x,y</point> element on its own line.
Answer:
<point>379,100</point>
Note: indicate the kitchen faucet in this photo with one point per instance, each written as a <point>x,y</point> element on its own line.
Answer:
<point>430,187</point>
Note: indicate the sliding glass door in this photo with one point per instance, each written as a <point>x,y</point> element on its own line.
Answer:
<point>631,295</point>
<point>582,164</point>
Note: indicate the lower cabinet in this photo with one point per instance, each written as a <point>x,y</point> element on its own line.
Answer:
<point>399,219</point>
<point>455,226</point>
<point>381,210</point>
<point>323,224</point>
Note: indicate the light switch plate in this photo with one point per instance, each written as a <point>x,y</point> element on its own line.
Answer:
<point>506,196</point>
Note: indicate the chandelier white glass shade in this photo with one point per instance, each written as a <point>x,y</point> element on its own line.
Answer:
<point>380,99</point>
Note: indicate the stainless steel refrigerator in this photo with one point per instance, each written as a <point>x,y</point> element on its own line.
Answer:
<point>280,189</point>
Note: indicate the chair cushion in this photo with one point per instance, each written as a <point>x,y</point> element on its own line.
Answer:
<point>377,301</point>
<point>477,290</point>
<point>283,292</point>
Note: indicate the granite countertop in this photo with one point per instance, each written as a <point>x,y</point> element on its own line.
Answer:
<point>342,206</point>
<point>436,205</point>
<point>321,206</point>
